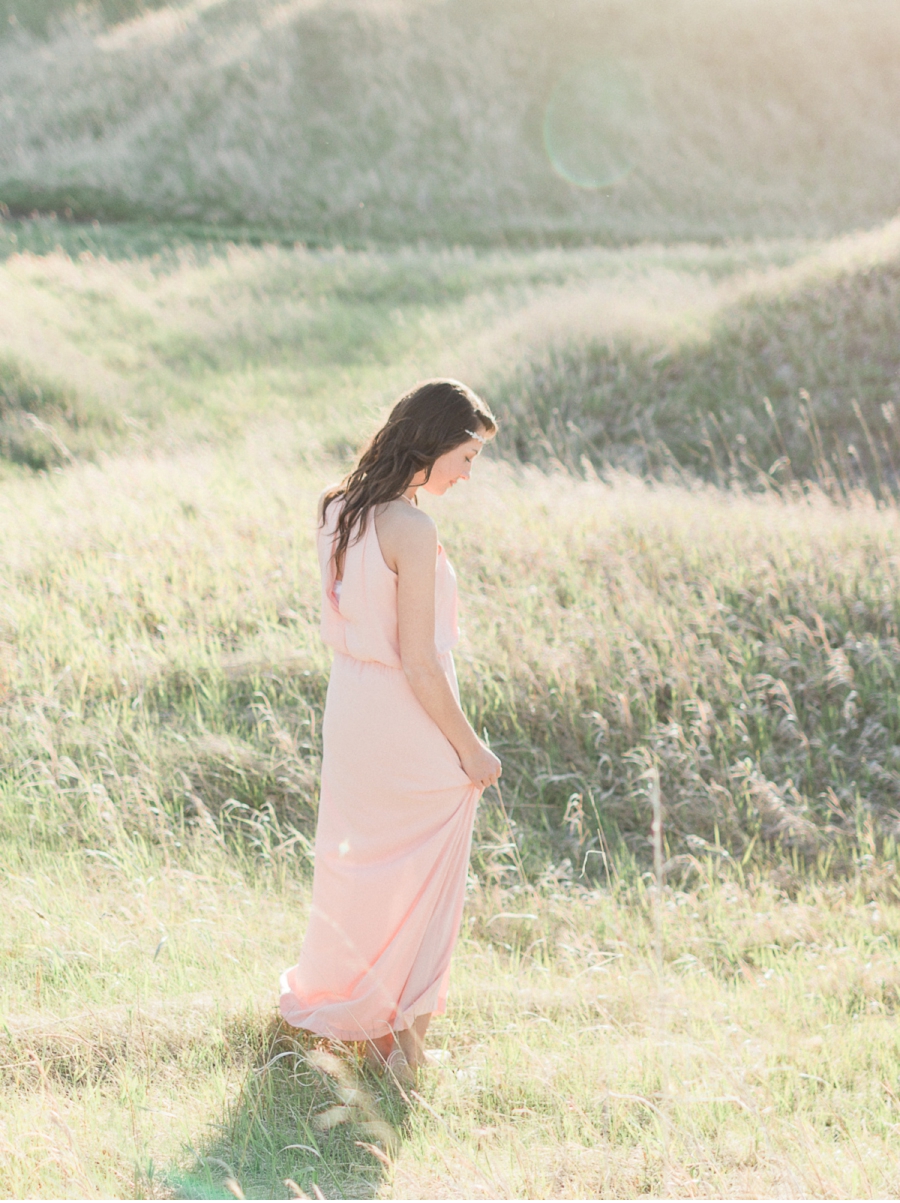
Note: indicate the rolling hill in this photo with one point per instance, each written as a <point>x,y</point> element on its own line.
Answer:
<point>456,121</point>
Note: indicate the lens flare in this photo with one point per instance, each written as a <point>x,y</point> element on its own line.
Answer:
<point>593,122</point>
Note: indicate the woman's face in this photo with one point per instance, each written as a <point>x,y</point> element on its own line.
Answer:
<point>449,468</point>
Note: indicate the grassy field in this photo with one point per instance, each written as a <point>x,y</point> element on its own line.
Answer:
<point>170,409</point>
<point>489,122</point>
<point>769,377</point>
<point>140,1056</point>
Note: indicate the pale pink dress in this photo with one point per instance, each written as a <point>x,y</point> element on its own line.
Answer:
<point>395,816</point>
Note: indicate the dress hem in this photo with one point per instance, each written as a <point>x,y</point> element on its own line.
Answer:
<point>331,1032</point>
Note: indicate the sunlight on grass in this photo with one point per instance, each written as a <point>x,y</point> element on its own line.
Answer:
<point>737,120</point>
<point>196,344</point>
<point>762,1063</point>
<point>161,693</point>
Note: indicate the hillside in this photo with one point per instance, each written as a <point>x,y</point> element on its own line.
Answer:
<point>457,121</point>
<point>263,364</point>
<point>767,363</point>
<point>768,377</point>
<point>661,237</point>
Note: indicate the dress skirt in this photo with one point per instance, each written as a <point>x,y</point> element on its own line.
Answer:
<point>391,860</point>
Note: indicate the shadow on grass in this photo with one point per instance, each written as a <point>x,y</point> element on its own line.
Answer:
<point>307,1119</point>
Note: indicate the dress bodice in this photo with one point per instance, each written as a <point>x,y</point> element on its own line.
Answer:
<point>362,621</point>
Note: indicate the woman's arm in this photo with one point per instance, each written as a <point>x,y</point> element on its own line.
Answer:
<point>409,544</point>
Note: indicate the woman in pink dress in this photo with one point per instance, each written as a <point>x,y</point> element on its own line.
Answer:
<point>402,769</point>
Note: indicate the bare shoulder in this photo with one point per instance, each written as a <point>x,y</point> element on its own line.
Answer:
<point>406,519</point>
<point>404,531</point>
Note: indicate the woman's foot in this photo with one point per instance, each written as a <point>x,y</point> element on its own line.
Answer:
<point>412,1041</point>
<point>376,1052</point>
<point>388,1059</point>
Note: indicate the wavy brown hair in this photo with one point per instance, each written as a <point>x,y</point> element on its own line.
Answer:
<point>427,422</point>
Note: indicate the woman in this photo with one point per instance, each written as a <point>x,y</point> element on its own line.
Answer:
<point>402,769</point>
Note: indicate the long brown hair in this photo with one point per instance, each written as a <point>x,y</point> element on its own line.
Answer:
<point>427,422</point>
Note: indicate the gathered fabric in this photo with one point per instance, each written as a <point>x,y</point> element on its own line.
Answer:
<point>395,817</point>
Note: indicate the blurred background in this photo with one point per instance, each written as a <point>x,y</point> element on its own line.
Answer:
<point>493,122</point>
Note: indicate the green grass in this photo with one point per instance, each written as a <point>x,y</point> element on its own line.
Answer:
<point>201,337</point>
<point>141,1057</point>
<point>43,234</point>
<point>762,363</point>
<point>42,16</point>
<point>161,694</point>
<point>164,598</point>
<point>160,652</point>
<point>783,376</point>
<point>372,124</point>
